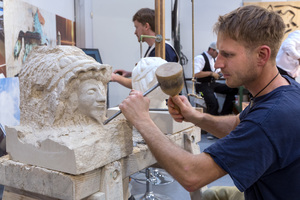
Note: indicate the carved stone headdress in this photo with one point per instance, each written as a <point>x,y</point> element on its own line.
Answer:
<point>45,80</point>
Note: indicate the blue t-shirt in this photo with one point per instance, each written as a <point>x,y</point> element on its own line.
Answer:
<point>262,154</point>
<point>171,56</point>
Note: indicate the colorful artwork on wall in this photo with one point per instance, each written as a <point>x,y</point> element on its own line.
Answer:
<point>28,26</point>
<point>66,29</point>
<point>25,27</point>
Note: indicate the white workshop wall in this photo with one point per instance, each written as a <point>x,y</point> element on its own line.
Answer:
<point>112,32</point>
<point>107,25</point>
<point>113,35</point>
<point>63,8</point>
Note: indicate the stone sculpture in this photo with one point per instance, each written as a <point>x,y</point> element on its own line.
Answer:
<point>63,106</point>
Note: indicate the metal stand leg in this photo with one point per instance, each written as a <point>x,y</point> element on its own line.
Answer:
<point>158,177</point>
<point>149,195</point>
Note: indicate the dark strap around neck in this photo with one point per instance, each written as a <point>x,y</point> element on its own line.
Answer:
<point>147,51</point>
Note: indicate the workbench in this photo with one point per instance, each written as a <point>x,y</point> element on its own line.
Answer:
<point>110,182</point>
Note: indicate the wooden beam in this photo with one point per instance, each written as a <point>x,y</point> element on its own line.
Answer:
<point>160,28</point>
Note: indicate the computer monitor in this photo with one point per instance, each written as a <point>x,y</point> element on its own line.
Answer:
<point>93,53</point>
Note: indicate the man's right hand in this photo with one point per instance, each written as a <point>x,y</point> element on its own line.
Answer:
<point>122,72</point>
<point>136,108</point>
<point>186,112</point>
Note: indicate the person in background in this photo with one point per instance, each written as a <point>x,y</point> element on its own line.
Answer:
<point>288,57</point>
<point>259,147</point>
<point>206,76</point>
<point>144,23</point>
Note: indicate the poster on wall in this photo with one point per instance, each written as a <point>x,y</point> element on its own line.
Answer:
<point>288,10</point>
<point>9,101</point>
<point>66,29</point>
<point>2,47</point>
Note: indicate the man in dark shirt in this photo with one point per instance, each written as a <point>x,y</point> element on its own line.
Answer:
<point>144,23</point>
<point>259,148</point>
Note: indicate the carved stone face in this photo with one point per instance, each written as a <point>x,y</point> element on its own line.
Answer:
<point>92,99</point>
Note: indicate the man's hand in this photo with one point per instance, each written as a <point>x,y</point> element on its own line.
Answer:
<point>135,108</point>
<point>122,72</point>
<point>186,110</point>
<point>215,75</point>
<point>122,80</point>
<point>113,77</point>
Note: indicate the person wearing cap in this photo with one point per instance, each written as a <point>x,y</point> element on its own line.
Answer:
<point>206,76</point>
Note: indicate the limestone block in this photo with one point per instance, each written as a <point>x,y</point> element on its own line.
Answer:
<point>54,184</point>
<point>111,181</point>
<point>62,110</point>
<point>76,153</point>
<point>162,119</point>
<point>97,196</point>
<point>142,156</point>
<point>48,182</point>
